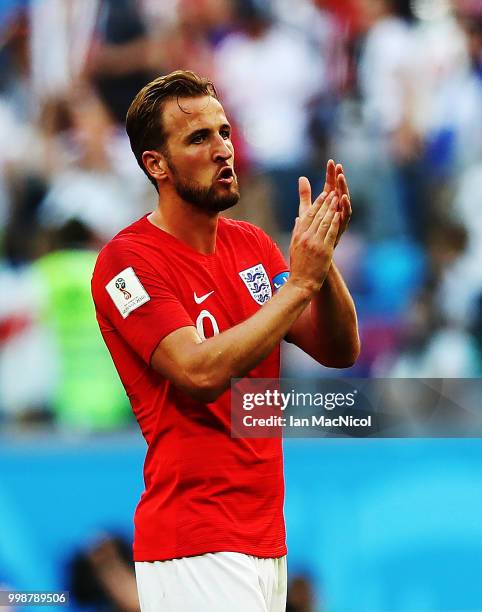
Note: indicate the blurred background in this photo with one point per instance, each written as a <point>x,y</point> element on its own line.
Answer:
<point>390,88</point>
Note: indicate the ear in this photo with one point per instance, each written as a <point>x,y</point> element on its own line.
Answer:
<point>155,163</point>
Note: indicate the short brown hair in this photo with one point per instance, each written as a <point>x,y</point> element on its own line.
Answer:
<point>144,123</point>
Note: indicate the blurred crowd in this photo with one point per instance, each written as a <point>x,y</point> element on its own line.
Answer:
<point>390,88</point>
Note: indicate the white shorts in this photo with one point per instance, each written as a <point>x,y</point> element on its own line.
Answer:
<point>215,582</point>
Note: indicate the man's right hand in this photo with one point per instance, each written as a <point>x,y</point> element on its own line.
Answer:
<point>313,239</point>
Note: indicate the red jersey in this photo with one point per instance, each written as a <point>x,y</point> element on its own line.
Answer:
<point>204,491</point>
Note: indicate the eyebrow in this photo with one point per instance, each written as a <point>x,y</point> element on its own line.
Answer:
<point>206,131</point>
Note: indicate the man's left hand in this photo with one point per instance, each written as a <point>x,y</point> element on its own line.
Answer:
<point>336,181</point>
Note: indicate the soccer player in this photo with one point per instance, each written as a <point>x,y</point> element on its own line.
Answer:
<point>187,300</point>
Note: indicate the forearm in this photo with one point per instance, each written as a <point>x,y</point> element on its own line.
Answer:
<point>204,369</point>
<point>236,351</point>
<point>333,316</point>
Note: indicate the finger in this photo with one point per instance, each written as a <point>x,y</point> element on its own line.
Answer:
<point>345,207</point>
<point>322,196</point>
<point>330,181</point>
<point>327,202</point>
<point>332,232</point>
<point>325,221</point>
<point>306,220</point>
<point>304,189</point>
<point>338,173</point>
<point>342,184</point>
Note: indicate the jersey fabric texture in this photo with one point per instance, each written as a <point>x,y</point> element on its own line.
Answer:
<point>204,491</point>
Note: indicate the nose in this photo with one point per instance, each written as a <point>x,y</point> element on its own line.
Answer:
<point>222,150</point>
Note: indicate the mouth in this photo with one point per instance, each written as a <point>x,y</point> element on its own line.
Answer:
<point>225,175</point>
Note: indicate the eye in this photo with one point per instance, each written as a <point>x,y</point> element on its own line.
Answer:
<point>197,139</point>
<point>226,133</point>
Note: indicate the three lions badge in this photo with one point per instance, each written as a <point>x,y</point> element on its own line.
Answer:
<point>257,282</point>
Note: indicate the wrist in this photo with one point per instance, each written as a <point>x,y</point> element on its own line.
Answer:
<point>304,289</point>
<point>329,282</point>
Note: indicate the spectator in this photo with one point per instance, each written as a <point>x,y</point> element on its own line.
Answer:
<point>88,395</point>
<point>91,177</point>
<point>103,576</point>
<point>300,595</point>
<point>267,74</point>
<point>376,136</point>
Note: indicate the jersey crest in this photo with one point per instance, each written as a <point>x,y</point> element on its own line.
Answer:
<point>257,282</point>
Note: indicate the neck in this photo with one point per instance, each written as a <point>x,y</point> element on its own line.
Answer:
<point>187,223</point>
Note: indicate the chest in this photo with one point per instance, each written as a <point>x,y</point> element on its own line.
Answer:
<point>219,291</point>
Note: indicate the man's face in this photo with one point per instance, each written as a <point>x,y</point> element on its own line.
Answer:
<point>200,154</point>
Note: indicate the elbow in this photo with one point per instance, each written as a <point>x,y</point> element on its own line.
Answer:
<point>205,394</point>
<point>352,355</point>
<point>345,363</point>
<point>204,387</point>
<point>344,358</point>
<point>197,380</point>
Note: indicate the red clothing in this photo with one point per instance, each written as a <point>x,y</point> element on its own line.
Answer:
<point>205,491</point>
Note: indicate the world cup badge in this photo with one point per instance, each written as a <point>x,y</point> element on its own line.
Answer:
<point>121,285</point>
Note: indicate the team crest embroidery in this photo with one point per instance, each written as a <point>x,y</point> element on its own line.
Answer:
<point>257,282</point>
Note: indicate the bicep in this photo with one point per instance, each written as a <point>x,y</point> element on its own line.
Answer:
<point>174,355</point>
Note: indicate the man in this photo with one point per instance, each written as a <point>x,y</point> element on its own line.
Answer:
<point>181,317</point>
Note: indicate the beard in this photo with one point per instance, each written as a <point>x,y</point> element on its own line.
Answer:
<point>213,199</point>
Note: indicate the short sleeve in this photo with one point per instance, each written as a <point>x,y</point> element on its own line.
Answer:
<point>278,269</point>
<point>135,300</point>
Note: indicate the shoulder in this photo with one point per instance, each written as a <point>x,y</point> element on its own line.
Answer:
<point>129,249</point>
<point>240,232</point>
<point>130,236</point>
<point>133,243</point>
<point>242,229</point>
